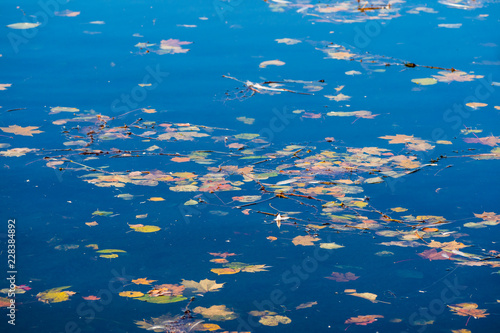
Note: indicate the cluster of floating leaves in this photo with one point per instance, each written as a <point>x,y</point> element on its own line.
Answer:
<point>326,176</point>
<point>342,11</point>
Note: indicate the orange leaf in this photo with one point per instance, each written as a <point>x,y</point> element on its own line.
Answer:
<point>143,281</point>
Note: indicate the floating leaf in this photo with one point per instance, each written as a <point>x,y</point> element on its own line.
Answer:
<point>162,299</point>
<point>307,240</point>
<point>55,295</point>
<point>288,41</point>
<point>369,296</point>
<point>215,312</point>
<point>341,277</point>
<point>156,199</point>
<point>23,25</point>
<point>203,286</point>
<point>224,271</point>
<point>58,109</point>
<point>274,320</point>
<point>111,251</point>
<point>245,120</point>
<point>264,64</point>
<point>16,152</point>
<point>468,309</point>
<point>180,159</point>
<point>91,298</point>
<point>67,13</point>
<point>425,82</point>
<point>132,294</point>
<point>18,130</point>
<point>109,256</point>
<point>305,305</point>
<point>363,320</point>
<point>143,281</point>
<point>247,198</point>
<point>330,246</point>
<point>5,302</point>
<point>102,213</point>
<point>144,228</point>
<point>255,268</point>
<point>166,290</point>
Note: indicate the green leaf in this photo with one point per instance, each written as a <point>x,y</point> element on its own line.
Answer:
<point>161,299</point>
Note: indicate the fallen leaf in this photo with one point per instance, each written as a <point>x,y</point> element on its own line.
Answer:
<point>425,81</point>
<point>16,152</point>
<point>264,64</point>
<point>224,271</point>
<point>245,120</point>
<point>5,302</point>
<point>274,320</point>
<point>488,140</point>
<point>109,256</point>
<point>468,309</point>
<point>18,130</point>
<point>255,268</point>
<point>58,109</point>
<point>91,298</point>
<point>161,299</point>
<point>23,25</point>
<point>305,305</point>
<point>67,13</point>
<point>180,159</point>
<point>166,290</point>
<point>338,98</point>
<point>341,277</point>
<point>55,295</point>
<point>219,260</point>
<point>203,286</point>
<point>102,213</point>
<point>143,281</point>
<point>215,312</point>
<point>307,240</point>
<point>363,320</point>
<point>330,246</point>
<point>209,327</point>
<point>475,105</point>
<point>450,25</point>
<point>172,46</point>
<point>435,255</point>
<point>222,255</point>
<point>369,296</point>
<point>144,228</point>
<point>288,41</point>
<point>156,199</point>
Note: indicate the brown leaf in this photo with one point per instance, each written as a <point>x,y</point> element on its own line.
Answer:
<point>305,305</point>
<point>166,290</point>
<point>340,277</point>
<point>307,240</point>
<point>363,320</point>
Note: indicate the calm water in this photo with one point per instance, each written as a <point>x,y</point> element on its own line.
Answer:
<point>172,134</point>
